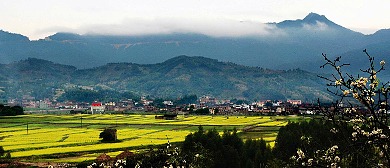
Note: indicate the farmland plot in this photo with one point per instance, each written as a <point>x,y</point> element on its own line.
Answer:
<point>40,135</point>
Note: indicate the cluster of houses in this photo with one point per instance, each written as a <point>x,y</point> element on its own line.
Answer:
<point>214,106</point>
<point>47,104</point>
<point>267,107</point>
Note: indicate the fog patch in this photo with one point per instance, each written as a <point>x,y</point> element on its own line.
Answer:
<point>319,26</point>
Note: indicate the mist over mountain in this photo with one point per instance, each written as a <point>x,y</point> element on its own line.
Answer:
<point>379,49</point>
<point>285,45</point>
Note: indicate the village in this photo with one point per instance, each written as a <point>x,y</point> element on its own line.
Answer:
<point>205,103</point>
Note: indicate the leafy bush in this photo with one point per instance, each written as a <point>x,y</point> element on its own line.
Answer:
<point>108,135</point>
<point>10,111</point>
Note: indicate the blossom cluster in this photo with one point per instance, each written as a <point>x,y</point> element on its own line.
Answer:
<point>326,158</point>
<point>370,124</point>
<point>118,164</point>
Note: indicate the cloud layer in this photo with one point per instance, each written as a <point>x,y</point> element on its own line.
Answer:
<point>215,27</point>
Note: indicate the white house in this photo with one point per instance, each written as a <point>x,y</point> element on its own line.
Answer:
<point>97,108</point>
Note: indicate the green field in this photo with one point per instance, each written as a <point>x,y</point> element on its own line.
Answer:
<point>63,136</point>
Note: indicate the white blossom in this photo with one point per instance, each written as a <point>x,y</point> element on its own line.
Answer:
<point>337,159</point>
<point>381,154</point>
<point>337,82</point>
<point>301,154</point>
<point>346,92</point>
<point>355,95</point>
<point>355,127</point>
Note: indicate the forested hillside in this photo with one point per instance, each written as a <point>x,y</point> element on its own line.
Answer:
<point>176,77</point>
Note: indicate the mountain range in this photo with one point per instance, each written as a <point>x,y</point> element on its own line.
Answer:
<point>224,67</point>
<point>176,77</point>
<point>296,41</point>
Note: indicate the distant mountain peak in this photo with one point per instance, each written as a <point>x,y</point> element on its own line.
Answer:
<point>314,15</point>
<point>6,36</point>
<point>41,63</point>
<point>382,33</point>
<point>190,60</point>
<point>312,18</point>
<point>61,36</point>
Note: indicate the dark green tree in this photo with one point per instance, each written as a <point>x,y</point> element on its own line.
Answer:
<point>216,111</point>
<point>227,150</point>
<point>2,152</point>
<point>256,154</point>
<point>18,110</point>
<point>10,111</point>
<point>268,104</point>
<point>108,135</point>
<point>187,99</point>
<point>202,111</point>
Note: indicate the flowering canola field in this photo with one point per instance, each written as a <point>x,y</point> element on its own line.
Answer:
<point>38,135</point>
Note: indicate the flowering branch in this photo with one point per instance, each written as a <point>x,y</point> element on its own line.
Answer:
<point>371,120</point>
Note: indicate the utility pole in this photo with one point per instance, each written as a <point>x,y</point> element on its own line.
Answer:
<point>81,119</point>
<point>27,128</point>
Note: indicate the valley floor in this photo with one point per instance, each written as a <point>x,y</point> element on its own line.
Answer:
<point>75,138</point>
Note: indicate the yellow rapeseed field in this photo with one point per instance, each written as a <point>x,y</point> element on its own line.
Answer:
<point>57,134</point>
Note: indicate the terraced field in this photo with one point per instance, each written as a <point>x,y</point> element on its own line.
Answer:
<point>46,135</point>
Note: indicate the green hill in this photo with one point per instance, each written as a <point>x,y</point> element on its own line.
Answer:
<point>173,78</point>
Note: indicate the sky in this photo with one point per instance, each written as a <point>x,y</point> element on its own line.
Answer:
<point>37,19</point>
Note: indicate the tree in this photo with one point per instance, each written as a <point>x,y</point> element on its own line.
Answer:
<point>2,152</point>
<point>216,110</point>
<point>256,154</point>
<point>139,104</point>
<point>187,99</point>
<point>308,136</point>
<point>108,135</point>
<point>191,108</point>
<point>268,104</point>
<point>366,111</point>
<point>10,111</point>
<point>18,110</point>
<point>202,111</point>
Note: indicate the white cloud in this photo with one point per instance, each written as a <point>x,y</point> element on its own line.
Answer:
<point>52,30</point>
<point>217,27</point>
<point>321,26</point>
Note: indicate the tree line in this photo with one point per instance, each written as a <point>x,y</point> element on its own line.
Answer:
<point>10,110</point>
